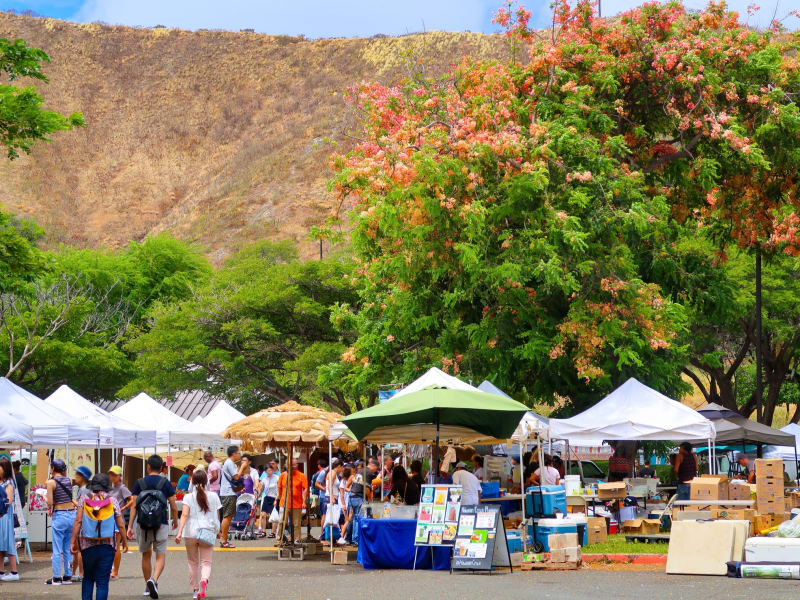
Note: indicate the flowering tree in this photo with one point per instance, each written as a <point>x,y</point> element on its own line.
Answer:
<point>509,219</point>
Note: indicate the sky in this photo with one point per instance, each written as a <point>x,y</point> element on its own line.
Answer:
<point>333,18</point>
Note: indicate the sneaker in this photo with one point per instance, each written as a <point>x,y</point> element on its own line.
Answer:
<point>152,588</point>
<point>53,581</point>
<point>194,596</point>
<point>146,592</point>
<point>341,541</point>
<point>10,577</point>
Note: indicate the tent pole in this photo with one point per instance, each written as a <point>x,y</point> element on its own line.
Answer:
<point>522,491</point>
<point>66,451</point>
<point>796,474</point>
<point>383,471</point>
<point>327,476</point>
<point>710,462</point>
<point>437,472</point>
<point>289,490</point>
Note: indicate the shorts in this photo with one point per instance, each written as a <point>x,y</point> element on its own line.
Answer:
<point>267,505</point>
<point>152,540</point>
<point>228,506</point>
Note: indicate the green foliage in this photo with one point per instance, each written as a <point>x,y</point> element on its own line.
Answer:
<point>20,260</point>
<point>23,121</point>
<point>254,333</point>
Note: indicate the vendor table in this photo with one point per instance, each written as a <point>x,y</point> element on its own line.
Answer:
<point>389,544</point>
<point>508,503</point>
<point>742,503</point>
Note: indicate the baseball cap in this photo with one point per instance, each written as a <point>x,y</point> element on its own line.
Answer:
<point>116,470</point>
<point>461,465</point>
<point>85,471</point>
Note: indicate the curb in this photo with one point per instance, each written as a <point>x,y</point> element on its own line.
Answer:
<point>630,559</point>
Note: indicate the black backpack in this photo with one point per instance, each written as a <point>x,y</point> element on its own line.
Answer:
<point>151,506</point>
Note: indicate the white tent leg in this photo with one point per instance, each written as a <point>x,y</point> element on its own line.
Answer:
<point>522,491</point>
<point>710,460</point>
<point>330,525</point>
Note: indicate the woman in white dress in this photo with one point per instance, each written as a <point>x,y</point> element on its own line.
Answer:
<point>199,526</point>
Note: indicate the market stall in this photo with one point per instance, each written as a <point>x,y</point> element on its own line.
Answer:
<point>291,424</point>
<point>220,417</point>
<point>427,416</point>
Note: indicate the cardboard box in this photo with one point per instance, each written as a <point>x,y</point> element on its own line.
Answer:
<point>642,526</point>
<point>558,555</point>
<point>596,531</point>
<point>610,491</point>
<point>738,491</point>
<point>769,468</point>
<point>771,507</point>
<point>572,554</point>
<point>729,514</point>
<point>562,540</point>
<point>533,557</point>
<point>712,487</point>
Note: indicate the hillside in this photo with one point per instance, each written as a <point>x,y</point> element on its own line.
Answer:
<point>217,137</point>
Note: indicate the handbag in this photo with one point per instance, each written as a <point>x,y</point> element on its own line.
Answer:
<point>207,537</point>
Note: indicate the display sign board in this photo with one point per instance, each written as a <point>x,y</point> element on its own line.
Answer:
<point>481,539</point>
<point>437,519</point>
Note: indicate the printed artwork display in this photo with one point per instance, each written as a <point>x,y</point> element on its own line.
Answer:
<point>481,539</point>
<point>438,516</point>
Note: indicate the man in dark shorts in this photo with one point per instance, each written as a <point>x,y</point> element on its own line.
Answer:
<point>229,485</point>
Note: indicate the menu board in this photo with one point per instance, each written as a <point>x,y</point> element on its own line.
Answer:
<point>437,520</point>
<point>481,539</point>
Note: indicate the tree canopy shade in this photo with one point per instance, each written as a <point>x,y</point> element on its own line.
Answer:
<point>519,220</point>
<point>477,412</point>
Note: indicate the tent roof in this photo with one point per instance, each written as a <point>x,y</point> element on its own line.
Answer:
<point>115,432</point>
<point>220,417</point>
<point>743,430</point>
<point>786,451</point>
<point>14,431</point>
<point>634,412</point>
<point>434,377</point>
<point>145,412</point>
<point>712,411</point>
<point>461,414</point>
<point>531,423</point>
<point>51,426</point>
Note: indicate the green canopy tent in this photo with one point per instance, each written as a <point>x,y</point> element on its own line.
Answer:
<point>427,414</point>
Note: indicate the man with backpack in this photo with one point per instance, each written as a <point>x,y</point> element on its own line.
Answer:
<point>94,536</point>
<point>149,519</point>
<point>231,485</point>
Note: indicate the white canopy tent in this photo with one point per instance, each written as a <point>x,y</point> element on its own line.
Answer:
<point>13,431</point>
<point>634,412</point>
<point>115,432</point>
<point>219,418</point>
<point>434,377</point>
<point>51,426</point>
<point>146,413</point>
<point>785,452</point>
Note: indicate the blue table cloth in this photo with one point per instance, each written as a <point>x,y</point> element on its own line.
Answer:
<point>389,544</point>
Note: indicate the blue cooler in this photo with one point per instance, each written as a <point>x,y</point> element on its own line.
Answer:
<point>515,540</point>
<point>545,527</point>
<point>545,500</point>
<point>490,489</point>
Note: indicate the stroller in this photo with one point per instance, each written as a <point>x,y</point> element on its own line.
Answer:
<point>244,521</point>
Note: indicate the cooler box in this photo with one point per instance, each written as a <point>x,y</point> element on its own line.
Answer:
<point>515,541</point>
<point>582,525</point>
<point>490,489</point>
<point>544,527</point>
<point>772,550</point>
<point>545,500</point>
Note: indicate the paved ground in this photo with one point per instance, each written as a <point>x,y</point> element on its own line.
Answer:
<point>258,574</point>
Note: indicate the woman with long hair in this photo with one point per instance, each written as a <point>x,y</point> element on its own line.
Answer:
<point>8,546</point>
<point>199,526</point>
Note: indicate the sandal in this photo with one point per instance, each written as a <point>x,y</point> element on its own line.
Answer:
<point>271,536</point>
<point>226,545</point>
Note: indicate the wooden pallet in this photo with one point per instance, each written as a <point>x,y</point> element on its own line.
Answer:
<point>549,566</point>
<point>647,539</point>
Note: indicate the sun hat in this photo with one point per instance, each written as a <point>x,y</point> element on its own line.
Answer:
<point>100,483</point>
<point>85,471</point>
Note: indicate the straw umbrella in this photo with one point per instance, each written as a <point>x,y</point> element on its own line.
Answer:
<point>296,425</point>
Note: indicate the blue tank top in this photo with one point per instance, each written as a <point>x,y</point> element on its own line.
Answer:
<point>60,495</point>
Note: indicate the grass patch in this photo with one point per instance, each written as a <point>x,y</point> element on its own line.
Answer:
<point>616,544</point>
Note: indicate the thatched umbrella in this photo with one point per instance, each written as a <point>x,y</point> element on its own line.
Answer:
<point>296,425</point>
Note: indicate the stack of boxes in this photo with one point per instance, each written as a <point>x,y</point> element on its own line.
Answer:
<point>769,486</point>
<point>565,553</point>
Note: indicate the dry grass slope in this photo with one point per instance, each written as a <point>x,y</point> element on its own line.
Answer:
<point>217,137</point>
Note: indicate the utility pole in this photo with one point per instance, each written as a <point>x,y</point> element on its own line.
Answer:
<point>759,389</point>
<point>599,8</point>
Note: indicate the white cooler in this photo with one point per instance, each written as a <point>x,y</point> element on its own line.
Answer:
<point>772,549</point>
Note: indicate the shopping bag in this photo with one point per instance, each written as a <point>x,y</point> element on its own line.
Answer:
<point>274,516</point>
<point>333,515</point>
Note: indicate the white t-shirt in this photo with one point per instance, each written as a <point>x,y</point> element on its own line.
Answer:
<point>270,483</point>
<point>199,519</point>
<point>479,473</point>
<point>550,477</point>
<point>470,485</point>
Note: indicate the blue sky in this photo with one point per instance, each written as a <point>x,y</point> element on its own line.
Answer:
<point>329,18</point>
